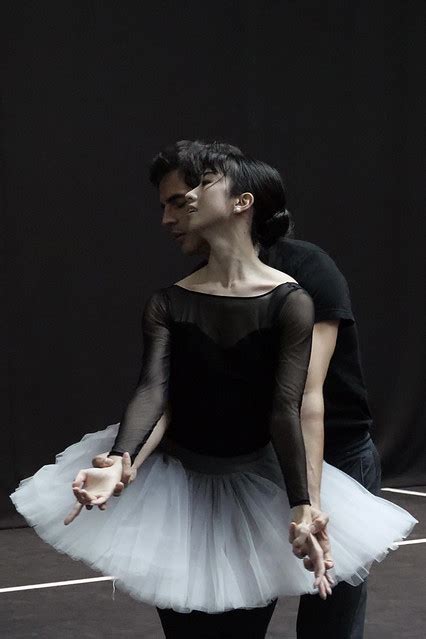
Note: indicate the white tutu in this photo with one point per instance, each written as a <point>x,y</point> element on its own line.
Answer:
<point>201,533</point>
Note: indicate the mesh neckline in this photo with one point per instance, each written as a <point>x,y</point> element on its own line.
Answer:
<point>235,297</point>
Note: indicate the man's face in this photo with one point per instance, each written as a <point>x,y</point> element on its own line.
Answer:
<point>172,192</point>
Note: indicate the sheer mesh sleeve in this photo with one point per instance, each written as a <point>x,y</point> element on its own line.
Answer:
<point>150,398</point>
<point>296,323</point>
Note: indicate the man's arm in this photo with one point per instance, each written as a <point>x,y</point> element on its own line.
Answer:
<point>312,410</point>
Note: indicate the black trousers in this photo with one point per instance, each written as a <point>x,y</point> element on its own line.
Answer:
<point>342,615</point>
<point>234,624</point>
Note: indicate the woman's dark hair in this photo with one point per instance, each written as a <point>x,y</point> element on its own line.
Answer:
<point>184,156</point>
<point>271,219</point>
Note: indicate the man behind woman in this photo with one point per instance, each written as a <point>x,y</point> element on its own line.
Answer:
<point>203,524</point>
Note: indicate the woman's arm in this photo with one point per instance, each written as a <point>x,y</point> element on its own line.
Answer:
<point>149,401</point>
<point>296,320</point>
<point>128,470</point>
<point>142,413</point>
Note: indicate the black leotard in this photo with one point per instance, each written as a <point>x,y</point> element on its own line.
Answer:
<point>232,369</point>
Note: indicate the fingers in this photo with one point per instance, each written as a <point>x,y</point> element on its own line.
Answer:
<point>323,580</point>
<point>321,590</point>
<point>300,550</point>
<point>76,510</point>
<point>100,506</point>
<point>126,475</point>
<point>317,557</point>
<point>82,496</point>
<point>127,469</point>
<point>119,487</point>
<point>101,461</point>
<point>92,497</point>
<point>98,501</point>
<point>308,563</point>
<point>330,579</point>
<point>328,559</point>
<point>324,589</point>
<point>80,479</point>
<point>299,535</point>
<point>319,523</point>
<point>88,500</point>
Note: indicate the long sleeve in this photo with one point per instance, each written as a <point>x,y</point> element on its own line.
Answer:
<point>150,398</point>
<point>295,324</point>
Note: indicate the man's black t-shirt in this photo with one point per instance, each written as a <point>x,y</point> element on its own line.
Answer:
<point>347,418</point>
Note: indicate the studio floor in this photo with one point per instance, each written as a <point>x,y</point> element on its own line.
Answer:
<point>39,599</point>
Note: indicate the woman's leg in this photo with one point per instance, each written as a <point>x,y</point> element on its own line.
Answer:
<point>233,624</point>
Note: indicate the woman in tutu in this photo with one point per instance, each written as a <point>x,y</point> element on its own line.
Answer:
<point>202,529</point>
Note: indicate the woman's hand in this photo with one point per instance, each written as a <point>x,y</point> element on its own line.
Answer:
<point>93,487</point>
<point>306,522</point>
<point>319,529</point>
<point>128,473</point>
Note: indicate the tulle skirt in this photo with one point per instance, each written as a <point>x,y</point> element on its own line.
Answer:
<point>194,532</point>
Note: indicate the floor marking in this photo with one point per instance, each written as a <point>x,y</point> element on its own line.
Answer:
<point>72,582</point>
<point>404,492</point>
<point>411,541</point>
<point>53,584</point>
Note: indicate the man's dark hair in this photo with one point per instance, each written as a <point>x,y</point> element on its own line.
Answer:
<point>183,156</point>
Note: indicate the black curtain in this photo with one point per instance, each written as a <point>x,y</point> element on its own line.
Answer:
<point>329,92</point>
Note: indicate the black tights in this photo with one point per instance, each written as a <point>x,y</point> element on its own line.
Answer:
<point>233,624</point>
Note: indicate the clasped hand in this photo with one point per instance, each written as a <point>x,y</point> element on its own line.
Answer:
<point>94,486</point>
<point>310,541</point>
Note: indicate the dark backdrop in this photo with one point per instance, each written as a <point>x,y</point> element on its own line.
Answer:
<point>329,92</point>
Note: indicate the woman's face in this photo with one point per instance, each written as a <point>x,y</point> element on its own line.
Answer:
<point>209,205</point>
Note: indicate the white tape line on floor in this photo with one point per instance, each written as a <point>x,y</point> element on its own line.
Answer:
<point>54,584</point>
<point>404,492</point>
<point>411,541</point>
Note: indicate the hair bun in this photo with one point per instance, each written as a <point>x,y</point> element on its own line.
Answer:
<point>274,227</point>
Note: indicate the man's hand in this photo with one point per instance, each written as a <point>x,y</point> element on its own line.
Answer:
<point>319,529</point>
<point>310,542</point>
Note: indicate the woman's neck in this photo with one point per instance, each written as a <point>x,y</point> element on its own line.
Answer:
<point>232,263</point>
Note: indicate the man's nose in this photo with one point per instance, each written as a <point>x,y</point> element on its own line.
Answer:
<point>168,218</point>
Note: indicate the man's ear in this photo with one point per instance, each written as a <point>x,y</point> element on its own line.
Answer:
<point>244,202</point>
